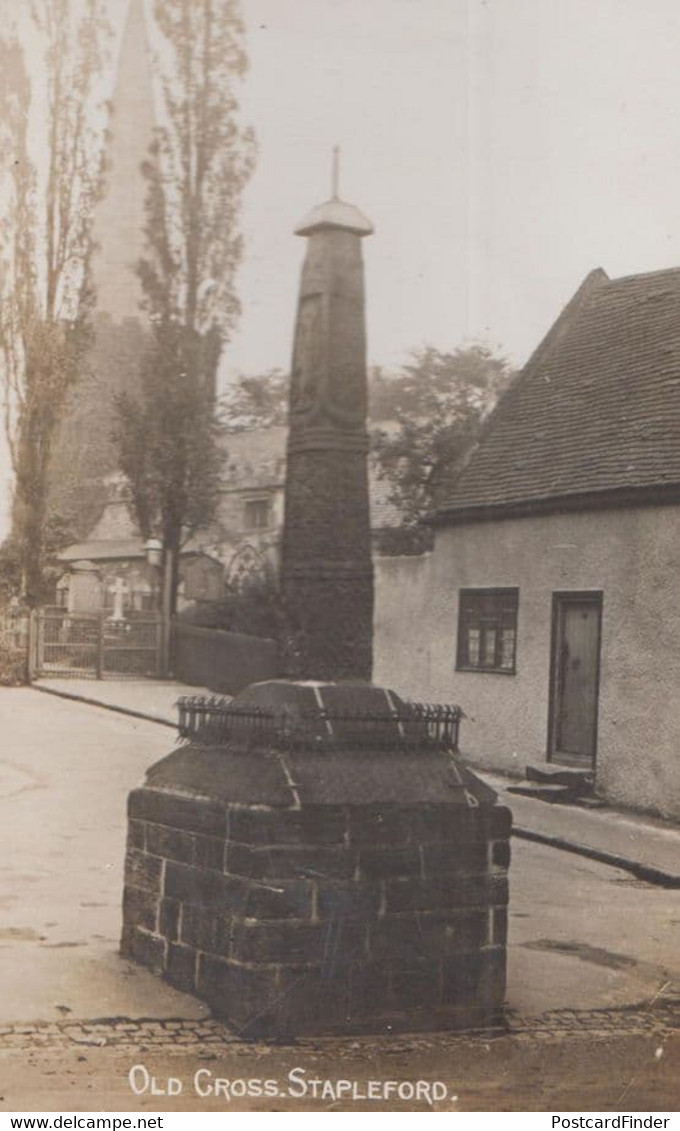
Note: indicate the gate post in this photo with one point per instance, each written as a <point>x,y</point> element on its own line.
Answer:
<point>100,646</point>
<point>40,643</point>
<point>158,639</point>
<point>32,658</point>
<point>166,613</point>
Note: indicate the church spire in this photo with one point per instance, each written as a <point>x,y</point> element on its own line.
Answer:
<point>120,216</point>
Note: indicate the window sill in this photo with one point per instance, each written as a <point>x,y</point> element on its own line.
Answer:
<point>487,671</point>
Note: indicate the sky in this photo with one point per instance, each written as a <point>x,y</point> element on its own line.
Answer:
<point>502,148</point>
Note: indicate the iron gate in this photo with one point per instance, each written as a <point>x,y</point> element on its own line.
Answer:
<point>93,645</point>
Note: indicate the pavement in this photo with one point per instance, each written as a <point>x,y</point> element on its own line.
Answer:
<point>628,1071</point>
<point>647,847</point>
<point>152,699</point>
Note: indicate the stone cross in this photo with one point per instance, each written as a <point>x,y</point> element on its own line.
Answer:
<point>326,569</point>
<point>119,590</point>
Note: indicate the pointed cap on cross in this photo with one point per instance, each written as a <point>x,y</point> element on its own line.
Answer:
<point>335,213</point>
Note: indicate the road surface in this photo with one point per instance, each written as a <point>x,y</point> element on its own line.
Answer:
<point>586,940</point>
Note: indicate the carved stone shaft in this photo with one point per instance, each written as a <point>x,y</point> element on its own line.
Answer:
<point>326,570</point>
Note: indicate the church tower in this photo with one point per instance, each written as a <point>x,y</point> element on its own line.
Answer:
<point>85,460</point>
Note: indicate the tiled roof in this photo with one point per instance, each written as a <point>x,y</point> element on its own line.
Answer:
<point>110,549</point>
<point>596,409</point>
<point>103,549</point>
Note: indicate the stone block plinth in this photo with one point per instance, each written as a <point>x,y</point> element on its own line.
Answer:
<point>300,891</point>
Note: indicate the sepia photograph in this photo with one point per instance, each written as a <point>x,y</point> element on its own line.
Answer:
<point>339,559</point>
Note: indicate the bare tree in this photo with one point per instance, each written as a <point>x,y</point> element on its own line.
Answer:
<point>198,167</point>
<point>45,291</point>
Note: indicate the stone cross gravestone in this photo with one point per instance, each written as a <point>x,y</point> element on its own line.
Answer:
<point>119,589</point>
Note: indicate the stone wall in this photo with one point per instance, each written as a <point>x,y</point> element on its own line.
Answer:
<point>324,918</point>
<point>400,646</point>
<point>225,662</point>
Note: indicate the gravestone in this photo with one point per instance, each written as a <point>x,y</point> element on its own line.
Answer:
<point>85,588</point>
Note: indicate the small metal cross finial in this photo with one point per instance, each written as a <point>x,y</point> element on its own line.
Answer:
<point>335,183</point>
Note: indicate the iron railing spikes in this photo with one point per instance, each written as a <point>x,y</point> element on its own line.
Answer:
<point>413,725</point>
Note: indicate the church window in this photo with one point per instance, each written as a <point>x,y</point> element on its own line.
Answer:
<point>256,514</point>
<point>487,630</point>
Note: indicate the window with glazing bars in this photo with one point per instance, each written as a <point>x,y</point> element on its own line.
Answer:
<point>487,630</point>
<point>256,514</point>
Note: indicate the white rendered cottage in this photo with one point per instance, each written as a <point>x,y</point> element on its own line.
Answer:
<point>550,606</point>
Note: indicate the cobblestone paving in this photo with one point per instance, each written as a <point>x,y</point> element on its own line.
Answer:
<point>662,1017</point>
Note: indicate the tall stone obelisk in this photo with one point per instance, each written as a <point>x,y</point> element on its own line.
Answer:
<point>326,568</point>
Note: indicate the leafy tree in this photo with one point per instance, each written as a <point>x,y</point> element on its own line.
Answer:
<point>435,408</point>
<point>45,293</point>
<point>168,440</point>
<point>257,402</point>
<point>56,535</point>
<point>261,401</point>
<point>383,395</point>
<point>198,166</point>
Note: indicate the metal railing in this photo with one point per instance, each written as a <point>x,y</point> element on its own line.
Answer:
<point>94,645</point>
<point>413,726</point>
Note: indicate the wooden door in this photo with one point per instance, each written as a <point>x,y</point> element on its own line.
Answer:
<point>577,621</point>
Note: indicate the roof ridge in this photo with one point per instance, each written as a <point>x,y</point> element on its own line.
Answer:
<point>645,274</point>
<point>594,280</point>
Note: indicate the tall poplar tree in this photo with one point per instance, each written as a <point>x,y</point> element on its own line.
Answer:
<point>201,160</point>
<point>45,249</point>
